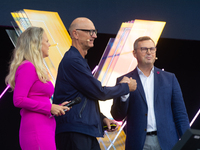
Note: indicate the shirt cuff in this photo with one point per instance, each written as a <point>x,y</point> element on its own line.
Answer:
<point>124,97</point>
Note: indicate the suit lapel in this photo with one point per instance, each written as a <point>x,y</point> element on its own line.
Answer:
<point>156,82</point>
<point>139,84</point>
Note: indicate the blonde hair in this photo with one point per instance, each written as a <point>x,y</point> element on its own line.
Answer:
<point>28,48</point>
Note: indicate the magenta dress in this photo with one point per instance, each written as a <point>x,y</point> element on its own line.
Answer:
<point>37,130</point>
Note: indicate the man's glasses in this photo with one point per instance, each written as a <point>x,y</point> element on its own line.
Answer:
<point>145,49</point>
<point>91,32</point>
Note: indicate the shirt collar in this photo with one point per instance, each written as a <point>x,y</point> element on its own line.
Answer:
<point>141,73</point>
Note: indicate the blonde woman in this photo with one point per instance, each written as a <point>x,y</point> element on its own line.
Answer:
<point>32,91</point>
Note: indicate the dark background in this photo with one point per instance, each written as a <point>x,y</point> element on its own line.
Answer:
<point>182,16</point>
<point>178,47</point>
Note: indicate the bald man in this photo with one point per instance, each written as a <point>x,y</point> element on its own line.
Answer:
<point>78,128</point>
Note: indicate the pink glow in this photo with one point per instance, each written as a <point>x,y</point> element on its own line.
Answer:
<point>95,69</point>
<point>119,122</point>
<point>4,91</point>
<point>195,117</point>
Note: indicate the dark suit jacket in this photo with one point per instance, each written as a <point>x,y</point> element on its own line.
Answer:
<point>170,112</point>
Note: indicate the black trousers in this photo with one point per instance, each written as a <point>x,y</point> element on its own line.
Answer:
<point>76,141</point>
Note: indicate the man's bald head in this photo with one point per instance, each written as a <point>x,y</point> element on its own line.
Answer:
<point>83,34</point>
<point>79,23</point>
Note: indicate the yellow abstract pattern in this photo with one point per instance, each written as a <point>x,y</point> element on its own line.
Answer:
<point>58,35</point>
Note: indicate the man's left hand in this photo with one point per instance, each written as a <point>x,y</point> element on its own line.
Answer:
<point>108,123</point>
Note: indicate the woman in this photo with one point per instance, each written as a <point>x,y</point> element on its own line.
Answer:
<point>32,91</point>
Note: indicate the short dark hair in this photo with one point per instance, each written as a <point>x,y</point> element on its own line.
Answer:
<point>143,38</point>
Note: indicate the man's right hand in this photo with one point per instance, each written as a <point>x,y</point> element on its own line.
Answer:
<point>132,85</point>
<point>125,80</point>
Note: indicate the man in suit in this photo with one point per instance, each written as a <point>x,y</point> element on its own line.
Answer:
<point>155,112</point>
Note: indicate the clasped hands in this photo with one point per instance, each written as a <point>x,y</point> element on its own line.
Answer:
<point>132,84</point>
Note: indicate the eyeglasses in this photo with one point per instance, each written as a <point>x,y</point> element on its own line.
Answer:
<point>91,32</point>
<point>145,49</point>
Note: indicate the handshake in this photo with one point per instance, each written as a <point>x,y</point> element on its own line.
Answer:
<point>132,84</point>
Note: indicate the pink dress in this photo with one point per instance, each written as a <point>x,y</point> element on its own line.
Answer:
<point>37,130</point>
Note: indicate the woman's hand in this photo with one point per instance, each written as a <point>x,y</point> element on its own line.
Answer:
<point>59,110</point>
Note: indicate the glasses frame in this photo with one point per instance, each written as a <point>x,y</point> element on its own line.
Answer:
<point>146,49</point>
<point>91,32</point>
